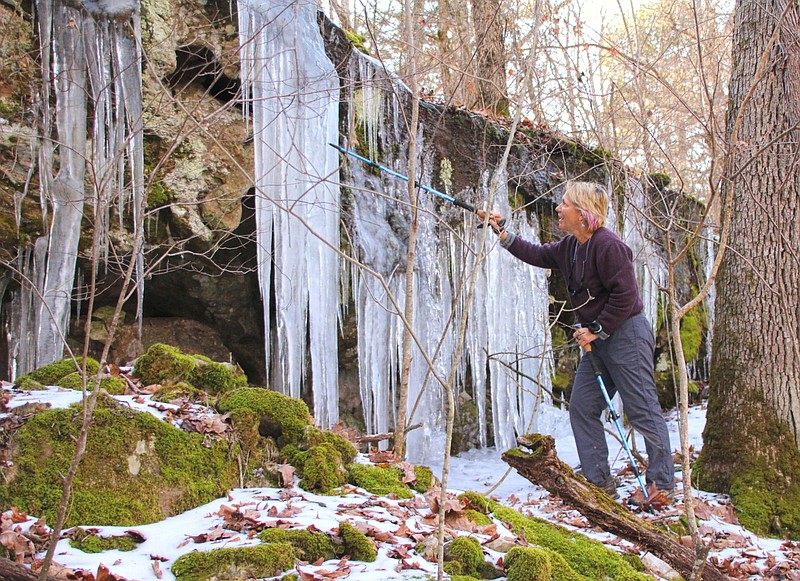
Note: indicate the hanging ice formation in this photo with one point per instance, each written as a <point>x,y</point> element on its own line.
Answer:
<point>507,316</point>
<point>89,51</point>
<point>648,262</point>
<point>292,92</point>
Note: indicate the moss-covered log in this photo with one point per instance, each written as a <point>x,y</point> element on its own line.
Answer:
<point>543,467</point>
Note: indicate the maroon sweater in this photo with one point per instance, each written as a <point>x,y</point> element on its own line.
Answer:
<point>603,267</point>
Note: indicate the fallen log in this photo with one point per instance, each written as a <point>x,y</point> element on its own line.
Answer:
<point>543,467</point>
<point>11,571</point>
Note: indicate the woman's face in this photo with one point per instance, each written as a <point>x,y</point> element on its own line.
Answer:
<point>569,217</point>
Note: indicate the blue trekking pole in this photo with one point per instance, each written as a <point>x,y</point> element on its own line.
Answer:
<point>615,417</point>
<point>451,199</point>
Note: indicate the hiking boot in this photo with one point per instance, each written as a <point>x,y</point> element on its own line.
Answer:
<point>609,487</point>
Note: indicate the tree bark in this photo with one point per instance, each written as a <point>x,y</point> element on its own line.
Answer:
<point>543,467</point>
<point>755,365</point>
<point>490,29</point>
<point>11,571</point>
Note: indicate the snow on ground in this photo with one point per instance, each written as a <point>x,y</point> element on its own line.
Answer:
<point>399,525</point>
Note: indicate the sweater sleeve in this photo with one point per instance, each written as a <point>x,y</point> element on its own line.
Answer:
<point>541,255</point>
<point>616,265</point>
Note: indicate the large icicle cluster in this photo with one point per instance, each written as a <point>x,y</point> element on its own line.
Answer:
<point>91,60</point>
<point>292,92</point>
<point>507,329</point>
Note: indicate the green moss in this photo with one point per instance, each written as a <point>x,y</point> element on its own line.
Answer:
<point>528,564</point>
<point>323,469</point>
<point>634,561</point>
<point>25,383</point>
<point>583,555</point>
<point>380,480</point>
<point>478,518</point>
<point>92,543</point>
<point>596,156</point>
<point>163,364</point>
<point>267,560</point>
<point>659,180</point>
<point>50,374</point>
<point>170,393</point>
<point>342,445</point>
<point>665,388</point>
<point>257,455</point>
<point>356,544</point>
<point>561,381</point>
<point>357,40</point>
<point>766,501</point>
<point>468,552</point>
<point>159,195</point>
<point>136,469</point>
<point>288,416</point>
<point>424,479</point>
<point>476,501</point>
<point>692,332</point>
<point>113,385</point>
<point>310,546</point>
<point>215,378</point>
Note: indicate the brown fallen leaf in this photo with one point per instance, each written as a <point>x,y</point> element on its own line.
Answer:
<point>18,543</point>
<point>287,475</point>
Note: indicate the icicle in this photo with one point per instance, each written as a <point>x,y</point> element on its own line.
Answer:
<point>64,191</point>
<point>85,51</point>
<point>293,92</point>
<point>648,263</point>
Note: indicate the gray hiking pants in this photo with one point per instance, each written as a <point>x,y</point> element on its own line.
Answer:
<point>626,362</point>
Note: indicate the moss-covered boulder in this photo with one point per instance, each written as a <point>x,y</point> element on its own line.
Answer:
<point>356,544</point>
<point>380,480</point>
<point>311,546</point>
<point>52,373</point>
<point>322,469</point>
<point>283,418</point>
<point>216,378</point>
<point>265,560</point>
<point>136,469</point>
<point>167,366</point>
<point>112,385</point>
<point>467,552</point>
<point>528,564</point>
<point>179,391</point>
<point>347,451</point>
<point>424,479</point>
<point>163,364</point>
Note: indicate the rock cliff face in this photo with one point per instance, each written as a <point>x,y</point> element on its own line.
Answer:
<point>202,284</point>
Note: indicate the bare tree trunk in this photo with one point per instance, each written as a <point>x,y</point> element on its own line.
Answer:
<point>755,366</point>
<point>490,29</point>
<point>405,371</point>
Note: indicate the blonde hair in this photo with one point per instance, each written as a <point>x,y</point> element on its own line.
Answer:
<point>591,200</point>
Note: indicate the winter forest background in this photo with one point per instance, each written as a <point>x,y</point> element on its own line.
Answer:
<point>167,177</point>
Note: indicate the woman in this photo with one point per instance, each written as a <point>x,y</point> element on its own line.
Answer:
<point>604,294</point>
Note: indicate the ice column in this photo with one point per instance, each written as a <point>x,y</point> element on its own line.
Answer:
<point>292,89</point>
<point>648,263</point>
<point>511,311</point>
<point>89,48</point>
